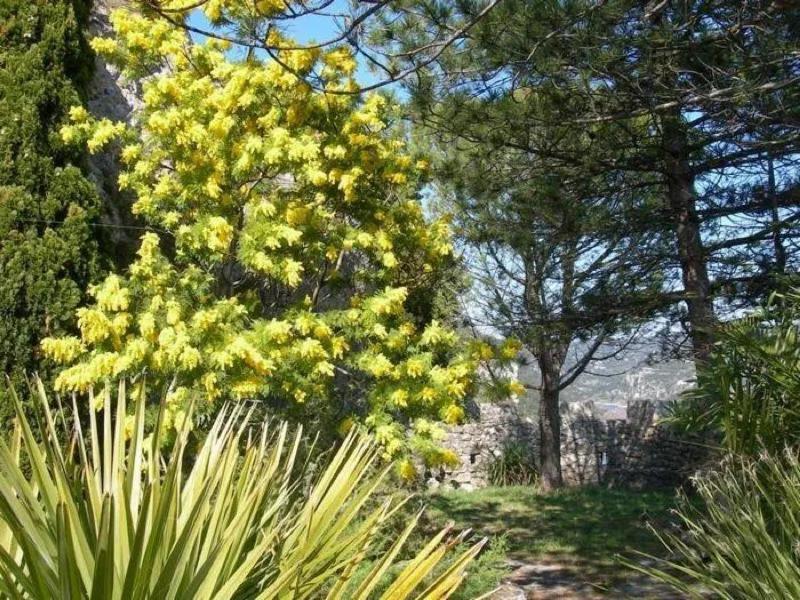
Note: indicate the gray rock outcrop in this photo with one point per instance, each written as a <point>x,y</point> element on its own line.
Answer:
<point>113,97</point>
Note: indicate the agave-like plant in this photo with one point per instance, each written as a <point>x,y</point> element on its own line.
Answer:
<point>105,513</point>
<point>741,541</point>
<point>515,465</point>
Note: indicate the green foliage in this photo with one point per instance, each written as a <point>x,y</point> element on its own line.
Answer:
<point>516,465</point>
<point>624,98</point>
<point>106,514</point>
<point>750,393</point>
<point>48,253</point>
<point>742,543</point>
<point>486,573</point>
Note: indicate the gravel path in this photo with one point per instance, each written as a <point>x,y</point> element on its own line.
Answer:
<point>551,580</point>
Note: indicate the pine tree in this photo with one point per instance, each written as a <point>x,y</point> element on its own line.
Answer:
<point>696,100</point>
<point>552,267</point>
<point>48,253</point>
<point>690,105</point>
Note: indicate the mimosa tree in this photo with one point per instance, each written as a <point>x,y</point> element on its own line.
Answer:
<point>286,237</point>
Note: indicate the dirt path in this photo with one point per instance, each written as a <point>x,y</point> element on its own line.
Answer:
<point>552,580</point>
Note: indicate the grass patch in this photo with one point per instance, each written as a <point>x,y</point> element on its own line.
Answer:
<point>579,532</point>
<point>590,523</point>
<point>587,528</point>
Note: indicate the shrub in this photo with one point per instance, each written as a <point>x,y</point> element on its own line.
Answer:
<point>111,515</point>
<point>749,393</point>
<point>48,245</point>
<point>515,465</point>
<point>741,542</point>
<point>287,247</point>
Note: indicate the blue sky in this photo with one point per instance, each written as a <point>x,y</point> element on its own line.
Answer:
<point>312,28</point>
<point>306,30</point>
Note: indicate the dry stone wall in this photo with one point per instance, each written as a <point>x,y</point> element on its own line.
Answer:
<point>636,451</point>
<point>478,442</point>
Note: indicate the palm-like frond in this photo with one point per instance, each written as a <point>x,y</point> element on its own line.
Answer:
<point>741,540</point>
<point>750,391</point>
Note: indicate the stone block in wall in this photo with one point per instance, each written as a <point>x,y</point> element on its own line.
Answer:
<point>640,415</point>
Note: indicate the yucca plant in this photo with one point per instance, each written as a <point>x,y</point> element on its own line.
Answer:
<point>104,512</point>
<point>741,541</point>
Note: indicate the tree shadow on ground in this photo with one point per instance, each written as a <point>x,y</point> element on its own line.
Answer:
<point>583,530</point>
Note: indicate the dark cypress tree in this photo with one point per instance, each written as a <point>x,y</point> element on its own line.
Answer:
<point>48,251</point>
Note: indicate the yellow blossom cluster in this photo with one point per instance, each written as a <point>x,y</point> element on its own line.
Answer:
<point>294,237</point>
<point>233,10</point>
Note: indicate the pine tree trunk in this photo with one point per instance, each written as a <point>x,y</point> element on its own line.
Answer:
<point>549,427</point>
<point>777,241</point>
<point>682,205</point>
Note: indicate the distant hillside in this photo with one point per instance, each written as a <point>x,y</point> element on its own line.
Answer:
<point>610,385</point>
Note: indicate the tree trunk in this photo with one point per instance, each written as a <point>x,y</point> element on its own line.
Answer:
<point>549,425</point>
<point>777,242</point>
<point>682,204</point>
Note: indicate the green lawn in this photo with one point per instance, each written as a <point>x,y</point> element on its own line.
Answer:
<point>582,531</point>
<point>587,528</point>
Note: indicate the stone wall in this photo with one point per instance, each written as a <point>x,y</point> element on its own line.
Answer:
<point>636,451</point>
<point>479,441</point>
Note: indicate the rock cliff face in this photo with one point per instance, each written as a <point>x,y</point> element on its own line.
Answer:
<point>111,96</point>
